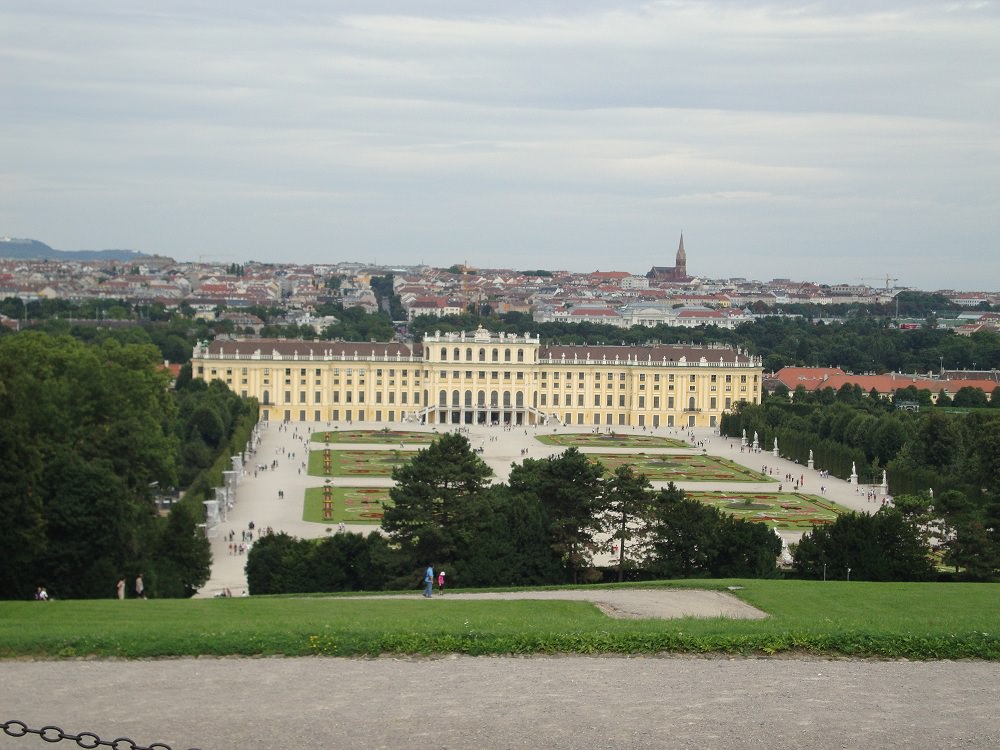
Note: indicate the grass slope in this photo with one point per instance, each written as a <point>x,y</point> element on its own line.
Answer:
<point>912,620</point>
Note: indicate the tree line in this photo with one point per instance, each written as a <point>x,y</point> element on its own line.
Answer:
<point>942,465</point>
<point>92,434</point>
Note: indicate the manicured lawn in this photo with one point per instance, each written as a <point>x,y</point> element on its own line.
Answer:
<point>372,463</point>
<point>372,436</point>
<point>611,440</point>
<point>912,620</point>
<point>682,468</point>
<point>780,510</point>
<point>350,504</point>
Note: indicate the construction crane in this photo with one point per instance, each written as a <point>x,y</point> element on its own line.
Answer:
<point>890,286</point>
<point>890,282</point>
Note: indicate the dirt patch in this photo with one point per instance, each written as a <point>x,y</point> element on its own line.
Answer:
<point>640,603</point>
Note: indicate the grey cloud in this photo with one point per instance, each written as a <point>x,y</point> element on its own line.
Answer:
<point>779,136</point>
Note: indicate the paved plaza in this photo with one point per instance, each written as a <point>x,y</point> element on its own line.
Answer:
<point>272,497</point>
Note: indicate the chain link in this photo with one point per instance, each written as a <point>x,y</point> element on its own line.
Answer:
<point>87,740</point>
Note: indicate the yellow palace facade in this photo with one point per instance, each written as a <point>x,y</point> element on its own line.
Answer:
<point>483,378</point>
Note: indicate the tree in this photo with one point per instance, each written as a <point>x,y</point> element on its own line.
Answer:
<point>569,488</point>
<point>93,425</point>
<point>936,442</point>
<point>888,438</point>
<point>91,521</point>
<point>506,543</point>
<point>683,535</point>
<point>279,564</point>
<point>985,464</point>
<point>350,562</point>
<point>183,557</point>
<point>975,549</point>
<point>745,549</point>
<point>431,498</point>
<point>970,398</point>
<point>22,521</point>
<point>879,547</point>
<point>625,514</point>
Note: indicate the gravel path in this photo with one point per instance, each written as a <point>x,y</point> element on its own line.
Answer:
<point>539,702</point>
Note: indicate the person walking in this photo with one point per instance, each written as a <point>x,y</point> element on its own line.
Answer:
<point>140,589</point>
<point>120,588</point>
<point>441,583</point>
<point>429,581</point>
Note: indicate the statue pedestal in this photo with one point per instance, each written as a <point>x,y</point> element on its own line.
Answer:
<point>810,464</point>
<point>853,479</point>
<point>775,453</point>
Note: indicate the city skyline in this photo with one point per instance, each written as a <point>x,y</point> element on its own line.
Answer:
<point>823,142</point>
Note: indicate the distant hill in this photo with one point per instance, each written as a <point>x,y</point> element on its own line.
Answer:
<point>24,249</point>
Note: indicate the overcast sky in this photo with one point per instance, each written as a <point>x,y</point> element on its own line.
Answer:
<point>824,141</point>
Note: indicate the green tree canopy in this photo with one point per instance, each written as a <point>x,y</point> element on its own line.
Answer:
<point>569,488</point>
<point>688,538</point>
<point>625,515</point>
<point>884,546</point>
<point>432,499</point>
<point>94,425</point>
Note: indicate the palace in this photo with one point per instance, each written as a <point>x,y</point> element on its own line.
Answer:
<point>484,378</point>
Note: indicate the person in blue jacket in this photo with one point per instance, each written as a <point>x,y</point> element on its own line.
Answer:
<point>429,581</point>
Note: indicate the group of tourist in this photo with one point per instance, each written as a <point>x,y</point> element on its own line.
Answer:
<point>140,587</point>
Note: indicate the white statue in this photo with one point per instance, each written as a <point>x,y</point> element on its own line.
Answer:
<point>810,454</point>
<point>776,443</point>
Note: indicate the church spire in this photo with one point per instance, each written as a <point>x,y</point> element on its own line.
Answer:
<point>680,265</point>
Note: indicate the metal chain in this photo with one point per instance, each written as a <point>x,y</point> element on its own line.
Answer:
<point>88,740</point>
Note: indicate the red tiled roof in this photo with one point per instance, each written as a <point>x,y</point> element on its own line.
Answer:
<point>595,311</point>
<point>809,377</point>
<point>816,378</point>
<point>701,314</point>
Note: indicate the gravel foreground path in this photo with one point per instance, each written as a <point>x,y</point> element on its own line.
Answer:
<point>500,702</point>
